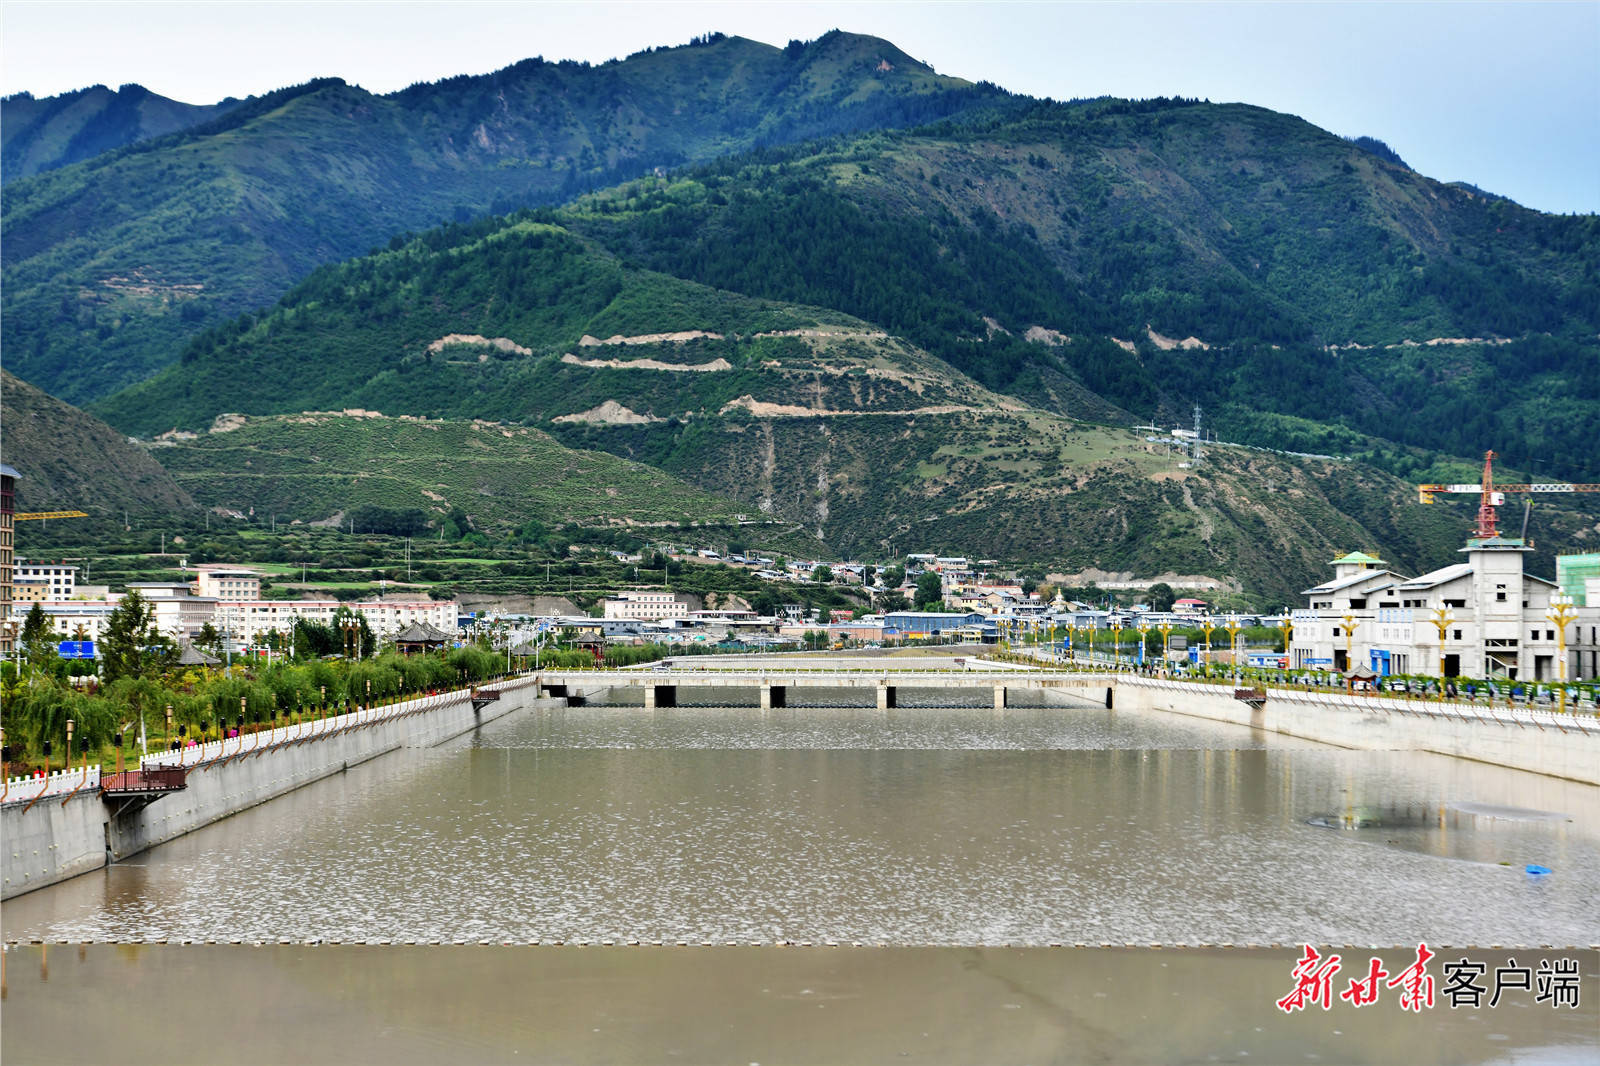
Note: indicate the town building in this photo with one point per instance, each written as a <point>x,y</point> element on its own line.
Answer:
<point>1479,618</point>
<point>8,498</point>
<point>651,606</point>
<point>44,582</point>
<point>227,583</point>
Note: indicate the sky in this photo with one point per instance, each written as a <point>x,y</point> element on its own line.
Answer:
<point>1503,95</point>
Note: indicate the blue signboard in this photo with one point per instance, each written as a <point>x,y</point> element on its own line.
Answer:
<point>1319,662</point>
<point>76,649</point>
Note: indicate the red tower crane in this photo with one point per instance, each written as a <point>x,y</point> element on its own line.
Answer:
<point>1492,495</point>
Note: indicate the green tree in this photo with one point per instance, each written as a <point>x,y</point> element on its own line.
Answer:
<point>208,639</point>
<point>930,590</point>
<point>1161,596</point>
<point>822,575</point>
<point>129,631</point>
<point>894,577</point>
<point>38,643</point>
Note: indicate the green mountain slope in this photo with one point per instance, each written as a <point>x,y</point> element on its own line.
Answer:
<point>798,413</point>
<point>112,263</point>
<point>528,322</point>
<point>322,466</point>
<point>39,134</point>
<point>71,461</point>
<point>1224,255</point>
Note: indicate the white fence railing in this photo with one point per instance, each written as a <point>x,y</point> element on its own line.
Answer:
<point>1446,710</point>
<point>57,783</point>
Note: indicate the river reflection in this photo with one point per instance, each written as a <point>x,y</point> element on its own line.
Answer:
<point>399,1006</point>
<point>933,826</point>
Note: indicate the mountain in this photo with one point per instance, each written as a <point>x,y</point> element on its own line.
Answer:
<point>1304,291</point>
<point>112,263</point>
<point>56,131</point>
<point>71,461</point>
<point>801,414</point>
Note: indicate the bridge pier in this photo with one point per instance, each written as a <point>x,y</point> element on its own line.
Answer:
<point>1109,691</point>
<point>774,696</point>
<point>660,696</point>
<point>886,697</point>
<point>999,697</point>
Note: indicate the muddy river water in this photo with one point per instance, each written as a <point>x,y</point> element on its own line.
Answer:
<point>957,845</point>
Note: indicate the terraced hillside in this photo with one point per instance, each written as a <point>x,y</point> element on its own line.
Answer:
<point>321,467</point>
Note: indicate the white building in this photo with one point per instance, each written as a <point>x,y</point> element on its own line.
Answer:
<point>651,606</point>
<point>1481,618</point>
<point>227,583</point>
<point>47,582</point>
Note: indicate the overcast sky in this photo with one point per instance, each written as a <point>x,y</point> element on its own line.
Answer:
<point>1504,95</point>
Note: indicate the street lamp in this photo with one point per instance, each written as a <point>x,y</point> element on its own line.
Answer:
<point>1233,626</point>
<point>1166,650</point>
<point>1144,633</point>
<point>1288,631</point>
<point>1208,627</point>
<point>1563,615</point>
<point>1116,644</point>
<point>1443,618</point>
<point>1072,643</point>
<point>1351,624</point>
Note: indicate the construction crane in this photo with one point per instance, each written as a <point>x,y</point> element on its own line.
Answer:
<point>1492,495</point>
<point>36,515</point>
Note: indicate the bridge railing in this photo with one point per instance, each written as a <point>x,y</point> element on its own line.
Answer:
<point>23,789</point>
<point>1449,710</point>
<point>308,729</point>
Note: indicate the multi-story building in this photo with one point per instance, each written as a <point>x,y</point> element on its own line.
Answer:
<point>651,606</point>
<point>178,613</point>
<point>47,582</point>
<point>1481,618</point>
<point>8,497</point>
<point>227,583</point>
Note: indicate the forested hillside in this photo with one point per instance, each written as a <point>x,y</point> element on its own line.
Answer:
<point>43,133</point>
<point>112,263</point>
<point>70,461</point>
<point>1306,292</point>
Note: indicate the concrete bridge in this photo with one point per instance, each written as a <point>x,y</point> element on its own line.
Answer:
<point>774,683</point>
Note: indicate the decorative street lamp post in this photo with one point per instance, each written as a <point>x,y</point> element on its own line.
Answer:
<point>1288,631</point>
<point>1208,627</point>
<point>1443,618</point>
<point>1166,649</point>
<point>1116,645</point>
<point>1233,626</point>
<point>1351,624</point>
<point>1144,633</point>
<point>1072,643</point>
<point>1563,615</point>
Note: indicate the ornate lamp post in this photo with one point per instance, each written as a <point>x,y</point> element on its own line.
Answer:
<point>1144,632</point>
<point>1288,631</point>
<point>1443,618</point>
<point>1233,626</point>
<point>1563,615</point>
<point>1072,643</point>
<point>1351,624</point>
<point>1116,645</point>
<point>1166,649</point>
<point>1208,627</point>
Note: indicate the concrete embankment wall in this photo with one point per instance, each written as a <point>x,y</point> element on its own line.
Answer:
<point>1381,725</point>
<point>55,839</point>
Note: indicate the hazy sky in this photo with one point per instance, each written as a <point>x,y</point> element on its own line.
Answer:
<point>1504,95</point>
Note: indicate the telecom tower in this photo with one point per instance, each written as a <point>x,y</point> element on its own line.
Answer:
<point>1197,433</point>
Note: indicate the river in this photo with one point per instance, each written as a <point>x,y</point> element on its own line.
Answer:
<point>946,834</point>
